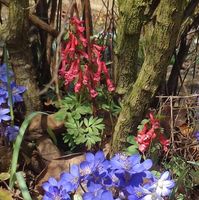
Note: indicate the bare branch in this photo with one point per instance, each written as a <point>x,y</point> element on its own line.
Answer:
<point>190,8</point>
<point>36,21</point>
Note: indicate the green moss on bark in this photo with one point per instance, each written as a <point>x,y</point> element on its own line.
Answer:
<point>128,34</point>
<point>160,45</point>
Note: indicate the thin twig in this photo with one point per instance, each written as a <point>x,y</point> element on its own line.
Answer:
<point>172,123</point>
<point>178,97</point>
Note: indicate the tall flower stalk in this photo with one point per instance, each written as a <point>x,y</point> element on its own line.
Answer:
<point>10,102</point>
<point>10,93</point>
<point>79,66</point>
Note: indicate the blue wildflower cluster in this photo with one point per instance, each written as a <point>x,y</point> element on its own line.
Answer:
<point>122,178</point>
<point>7,83</point>
<point>197,135</point>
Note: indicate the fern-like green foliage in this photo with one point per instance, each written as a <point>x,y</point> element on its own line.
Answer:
<point>84,131</point>
<point>133,146</point>
<point>82,127</point>
<point>107,103</point>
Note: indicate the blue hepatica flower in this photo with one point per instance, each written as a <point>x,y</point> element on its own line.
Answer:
<point>3,73</point>
<point>124,177</point>
<point>96,192</point>
<point>94,162</point>
<point>11,132</point>
<point>164,185</point>
<point>73,177</point>
<point>121,163</point>
<point>197,135</point>
<point>4,114</point>
<point>16,92</point>
<point>94,169</point>
<point>57,190</point>
<point>141,193</point>
<point>3,96</point>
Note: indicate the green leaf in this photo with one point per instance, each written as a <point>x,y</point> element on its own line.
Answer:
<point>100,126</point>
<point>96,138</point>
<point>86,122</point>
<point>80,140</point>
<point>90,130</point>
<point>76,115</point>
<point>81,123</point>
<point>91,120</point>
<point>23,186</point>
<point>5,194</point>
<point>195,176</point>
<point>132,150</point>
<point>193,163</point>
<point>105,107</point>
<point>52,135</point>
<point>156,173</point>
<point>67,138</point>
<point>83,110</point>
<point>91,139</point>
<point>17,146</point>
<point>66,36</point>
<point>95,130</point>
<point>98,121</point>
<point>70,125</point>
<point>88,144</point>
<point>131,139</point>
<point>4,176</point>
<point>144,121</point>
<point>61,115</point>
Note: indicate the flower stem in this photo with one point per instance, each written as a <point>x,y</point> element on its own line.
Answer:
<point>9,85</point>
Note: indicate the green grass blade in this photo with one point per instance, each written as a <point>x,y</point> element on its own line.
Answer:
<point>17,146</point>
<point>193,163</point>
<point>52,135</point>
<point>23,186</point>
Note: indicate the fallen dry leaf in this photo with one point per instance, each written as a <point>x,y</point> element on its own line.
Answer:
<point>57,166</point>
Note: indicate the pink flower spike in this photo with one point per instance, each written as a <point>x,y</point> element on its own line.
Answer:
<point>93,93</point>
<point>165,142</point>
<point>80,29</point>
<point>76,21</point>
<point>74,43</point>
<point>84,54</point>
<point>83,40</point>
<point>78,86</point>
<point>96,77</point>
<point>110,85</point>
<point>85,80</point>
<point>62,71</point>
<point>104,68</point>
<point>99,48</point>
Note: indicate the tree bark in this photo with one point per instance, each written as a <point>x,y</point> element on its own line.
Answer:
<point>128,34</point>
<point>161,39</point>
<point>185,42</point>
<point>15,34</point>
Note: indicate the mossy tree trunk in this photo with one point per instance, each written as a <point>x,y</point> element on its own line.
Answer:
<point>160,43</point>
<point>128,33</point>
<point>15,35</point>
